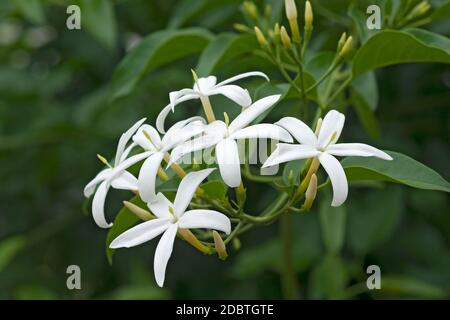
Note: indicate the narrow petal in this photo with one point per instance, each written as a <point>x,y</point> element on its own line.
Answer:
<point>332,124</point>
<point>177,127</point>
<point>337,176</point>
<point>234,93</point>
<point>252,112</point>
<point>187,188</point>
<point>175,97</point>
<point>228,159</point>
<point>288,152</point>
<point>205,219</point>
<point>174,137</point>
<point>141,233</point>
<point>160,207</point>
<point>166,110</point>
<point>163,253</point>
<point>98,204</point>
<point>126,152</point>
<point>141,139</point>
<point>263,131</point>
<point>243,75</point>
<point>125,181</point>
<point>299,130</point>
<point>357,149</point>
<point>90,187</point>
<point>205,84</point>
<point>131,161</point>
<point>125,138</point>
<point>147,176</point>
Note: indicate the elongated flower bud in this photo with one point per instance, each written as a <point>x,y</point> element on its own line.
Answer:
<point>341,42</point>
<point>267,10</point>
<point>260,37</point>
<point>220,246</point>
<point>251,10</point>
<point>310,193</point>
<point>308,16</point>
<point>291,9</point>
<point>241,27</point>
<point>318,126</point>
<point>138,211</point>
<point>347,47</point>
<point>419,10</point>
<point>285,39</point>
<point>241,194</point>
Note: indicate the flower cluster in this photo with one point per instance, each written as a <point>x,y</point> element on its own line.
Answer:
<point>157,147</point>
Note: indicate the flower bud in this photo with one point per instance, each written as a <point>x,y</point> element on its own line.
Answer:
<point>310,193</point>
<point>138,211</point>
<point>419,10</point>
<point>285,39</point>
<point>318,125</point>
<point>291,9</point>
<point>260,37</point>
<point>251,10</point>
<point>220,246</point>
<point>241,27</point>
<point>308,16</point>
<point>341,42</point>
<point>236,244</point>
<point>268,11</point>
<point>241,194</point>
<point>347,47</point>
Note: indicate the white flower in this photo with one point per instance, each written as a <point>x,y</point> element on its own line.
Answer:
<point>208,86</point>
<point>323,147</point>
<point>171,217</point>
<point>223,137</point>
<point>115,176</point>
<point>151,141</point>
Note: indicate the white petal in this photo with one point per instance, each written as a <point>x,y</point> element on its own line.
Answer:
<point>337,177</point>
<point>332,124</point>
<point>98,204</point>
<point>141,233</point>
<point>131,161</point>
<point>234,93</point>
<point>227,157</point>
<point>141,139</point>
<point>243,75</point>
<point>263,131</point>
<point>175,97</point>
<point>172,132</point>
<point>205,219</point>
<point>125,181</point>
<point>357,149</point>
<point>126,152</point>
<point>288,152</point>
<point>187,188</point>
<point>166,110</point>
<point>124,140</point>
<point>174,137</point>
<point>160,207</point>
<point>90,187</point>
<point>147,176</point>
<point>205,84</point>
<point>252,112</point>
<point>299,130</point>
<point>163,253</point>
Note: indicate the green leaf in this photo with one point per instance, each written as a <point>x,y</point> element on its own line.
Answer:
<point>390,47</point>
<point>99,19</point>
<point>9,248</point>
<point>364,97</point>
<point>317,66</point>
<point>215,189</point>
<point>124,220</point>
<point>223,48</point>
<point>441,13</point>
<point>406,286</point>
<point>332,223</point>
<point>295,167</point>
<point>328,278</point>
<point>359,21</point>
<point>373,218</point>
<point>33,10</point>
<point>139,292</point>
<point>402,170</point>
<point>155,50</point>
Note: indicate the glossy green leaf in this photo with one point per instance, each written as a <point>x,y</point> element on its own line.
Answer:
<point>295,167</point>
<point>215,189</point>
<point>124,220</point>
<point>328,278</point>
<point>332,223</point>
<point>155,50</point>
<point>33,10</point>
<point>223,48</point>
<point>390,47</point>
<point>402,170</point>
<point>405,286</point>
<point>9,248</point>
<point>442,12</point>
<point>364,98</point>
<point>99,20</point>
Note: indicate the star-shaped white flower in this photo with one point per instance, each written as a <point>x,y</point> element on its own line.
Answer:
<point>149,139</point>
<point>208,86</point>
<point>323,147</point>
<point>224,137</point>
<point>115,176</point>
<point>171,217</point>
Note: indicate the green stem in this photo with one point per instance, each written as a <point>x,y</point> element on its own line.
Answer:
<point>288,278</point>
<point>333,67</point>
<point>338,91</point>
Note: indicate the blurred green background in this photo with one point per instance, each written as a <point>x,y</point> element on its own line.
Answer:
<point>56,115</point>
